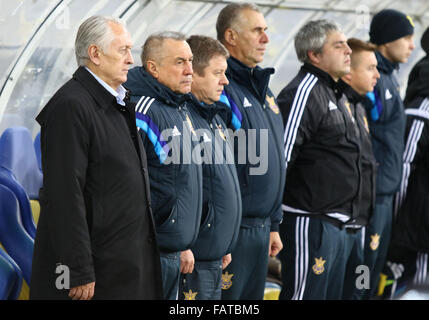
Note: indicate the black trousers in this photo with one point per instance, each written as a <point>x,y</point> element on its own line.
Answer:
<point>318,259</point>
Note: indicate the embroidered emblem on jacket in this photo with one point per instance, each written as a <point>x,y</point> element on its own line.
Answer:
<point>319,267</point>
<point>375,241</point>
<point>191,127</point>
<point>190,295</point>
<point>226,281</point>
<point>272,104</point>
<point>176,132</point>
<point>388,95</point>
<point>246,103</point>
<point>221,133</point>
<point>332,106</point>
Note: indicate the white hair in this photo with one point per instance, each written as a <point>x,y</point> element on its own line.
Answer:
<point>94,30</point>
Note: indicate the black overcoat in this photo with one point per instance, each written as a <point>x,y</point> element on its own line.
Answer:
<point>96,218</point>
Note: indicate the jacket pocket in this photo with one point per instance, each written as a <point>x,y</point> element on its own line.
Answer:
<point>170,222</point>
<point>207,224</point>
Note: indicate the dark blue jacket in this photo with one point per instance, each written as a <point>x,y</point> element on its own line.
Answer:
<point>253,106</point>
<point>176,183</point>
<point>387,127</point>
<point>221,216</point>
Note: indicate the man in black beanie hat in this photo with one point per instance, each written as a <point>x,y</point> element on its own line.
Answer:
<point>392,32</point>
<point>409,247</point>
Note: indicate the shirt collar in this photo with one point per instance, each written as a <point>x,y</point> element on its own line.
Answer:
<point>119,94</point>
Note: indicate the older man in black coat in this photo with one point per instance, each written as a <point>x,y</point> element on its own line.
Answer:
<point>95,237</point>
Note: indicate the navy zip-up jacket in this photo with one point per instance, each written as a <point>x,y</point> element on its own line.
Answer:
<point>387,132</point>
<point>221,215</point>
<point>253,106</point>
<point>175,180</point>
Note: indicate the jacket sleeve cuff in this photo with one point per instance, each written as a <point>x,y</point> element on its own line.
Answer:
<point>274,227</point>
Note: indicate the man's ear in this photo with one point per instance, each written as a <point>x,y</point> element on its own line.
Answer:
<point>152,68</point>
<point>231,37</point>
<point>314,57</point>
<point>94,54</point>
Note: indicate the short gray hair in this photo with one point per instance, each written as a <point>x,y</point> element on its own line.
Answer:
<point>152,48</point>
<point>229,15</point>
<point>94,30</point>
<point>312,37</point>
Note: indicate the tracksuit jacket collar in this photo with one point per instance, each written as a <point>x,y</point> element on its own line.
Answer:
<point>143,84</point>
<point>350,93</point>
<point>384,65</point>
<point>207,111</point>
<point>256,78</point>
<point>324,77</point>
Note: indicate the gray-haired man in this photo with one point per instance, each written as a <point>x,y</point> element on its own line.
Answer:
<point>323,158</point>
<point>96,233</point>
<point>161,88</point>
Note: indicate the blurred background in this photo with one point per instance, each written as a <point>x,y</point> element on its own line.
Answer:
<point>37,38</point>
<point>37,57</point>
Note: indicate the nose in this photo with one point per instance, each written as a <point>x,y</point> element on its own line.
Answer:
<point>130,59</point>
<point>348,50</point>
<point>412,45</point>
<point>224,81</point>
<point>377,74</point>
<point>188,68</point>
<point>264,38</point>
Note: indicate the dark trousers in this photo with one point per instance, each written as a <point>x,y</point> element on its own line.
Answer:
<point>377,240</point>
<point>244,278</point>
<point>204,283</point>
<point>170,266</point>
<point>315,259</point>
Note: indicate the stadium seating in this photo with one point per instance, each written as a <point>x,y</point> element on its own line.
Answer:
<point>18,155</point>
<point>16,241</point>
<point>8,180</point>
<point>10,277</point>
<point>37,148</point>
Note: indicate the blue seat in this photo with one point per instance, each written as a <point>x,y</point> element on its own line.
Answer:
<point>37,148</point>
<point>10,277</point>
<point>7,179</point>
<point>17,242</point>
<point>18,155</point>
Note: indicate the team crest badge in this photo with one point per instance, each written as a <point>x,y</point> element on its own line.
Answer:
<point>221,133</point>
<point>375,241</point>
<point>226,281</point>
<point>190,295</point>
<point>365,121</point>
<point>319,266</point>
<point>191,127</point>
<point>272,104</point>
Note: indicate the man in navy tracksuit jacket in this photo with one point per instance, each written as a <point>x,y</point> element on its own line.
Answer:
<point>161,92</point>
<point>392,32</point>
<point>221,215</point>
<point>241,28</point>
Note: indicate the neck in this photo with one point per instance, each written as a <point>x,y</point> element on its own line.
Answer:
<point>333,76</point>
<point>96,70</point>
<point>384,52</point>
<point>239,57</point>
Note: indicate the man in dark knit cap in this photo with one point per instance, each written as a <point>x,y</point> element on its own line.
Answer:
<point>392,32</point>
<point>407,263</point>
